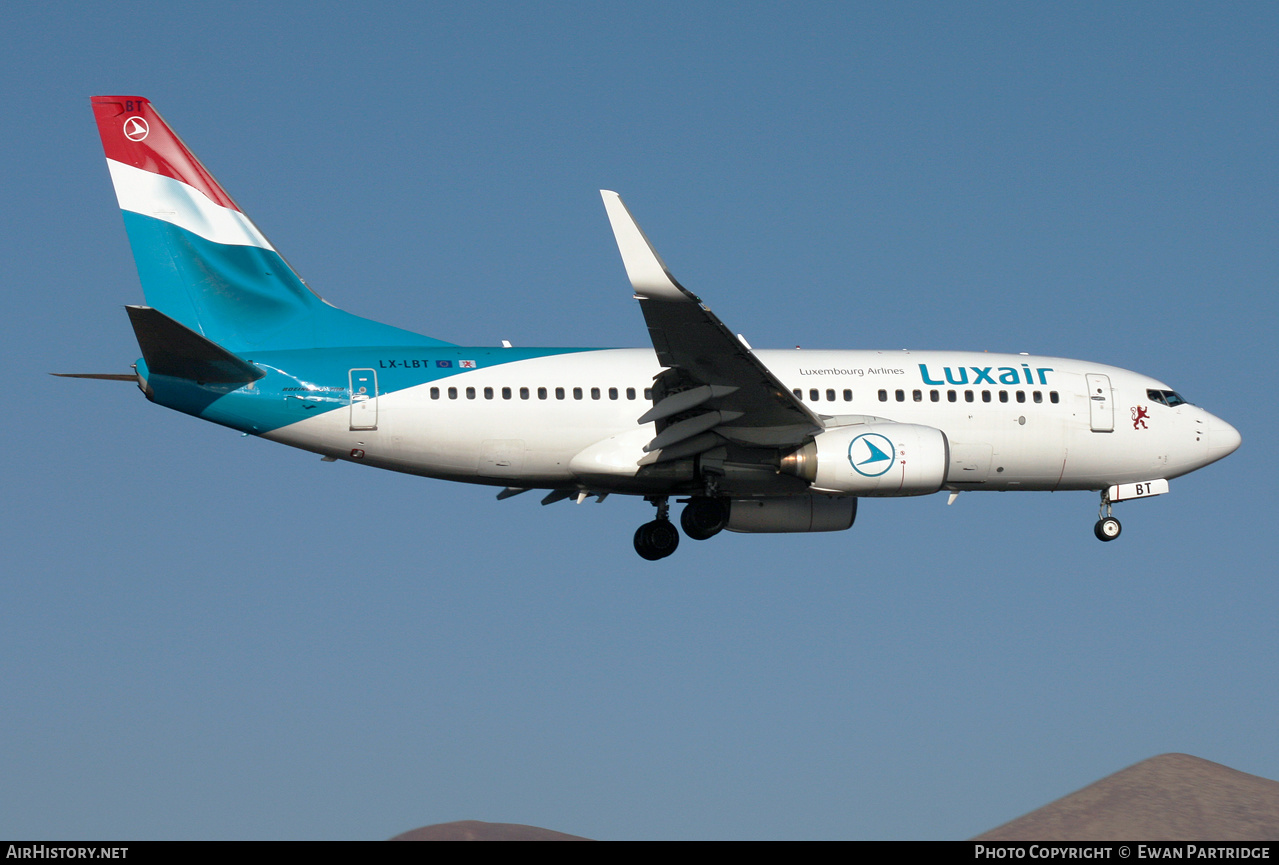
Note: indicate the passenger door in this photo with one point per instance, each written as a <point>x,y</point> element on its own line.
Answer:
<point>1101,409</point>
<point>363,399</point>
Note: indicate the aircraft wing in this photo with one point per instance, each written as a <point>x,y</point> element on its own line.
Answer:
<point>713,387</point>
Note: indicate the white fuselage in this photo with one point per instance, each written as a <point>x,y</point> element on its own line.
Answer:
<point>1012,421</point>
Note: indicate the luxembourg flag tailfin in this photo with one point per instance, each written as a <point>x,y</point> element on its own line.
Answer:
<point>201,260</point>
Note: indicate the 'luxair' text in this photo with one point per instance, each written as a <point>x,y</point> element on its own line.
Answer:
<point>984,375</point>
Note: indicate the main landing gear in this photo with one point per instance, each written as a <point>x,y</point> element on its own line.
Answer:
<point>658,539</point>
<point>1107,527</point>
<point>703,517</point>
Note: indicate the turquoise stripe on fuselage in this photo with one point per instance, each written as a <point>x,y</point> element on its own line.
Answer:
<point>303,383</point>
<point>244,298</point>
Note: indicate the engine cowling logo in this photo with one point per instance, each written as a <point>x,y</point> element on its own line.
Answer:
<point>871,454</point>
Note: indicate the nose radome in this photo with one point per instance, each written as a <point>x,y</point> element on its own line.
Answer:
<point>1223,439</point>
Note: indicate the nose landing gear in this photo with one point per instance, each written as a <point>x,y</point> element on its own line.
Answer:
<point>1107,527</point>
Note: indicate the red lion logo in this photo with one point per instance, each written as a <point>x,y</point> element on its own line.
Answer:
<point>1139,416</point>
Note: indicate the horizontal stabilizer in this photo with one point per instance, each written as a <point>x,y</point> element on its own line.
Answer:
<point>103,376</point>
<point>172,349</point>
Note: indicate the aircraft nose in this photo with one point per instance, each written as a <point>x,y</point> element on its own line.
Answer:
<point>1223,439</point>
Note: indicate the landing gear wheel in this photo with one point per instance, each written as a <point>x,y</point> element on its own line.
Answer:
<point>703,518</point>
<point>656,540</point>
<point>1107,529</point>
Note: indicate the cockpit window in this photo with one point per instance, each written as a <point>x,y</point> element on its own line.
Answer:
<point>1169,398</point>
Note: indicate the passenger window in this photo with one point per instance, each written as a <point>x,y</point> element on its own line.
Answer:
<point>435,393</point>
<point>541,393</point>
<point>612,393</point>
<point>1021,396</point>
<point>883,396</point>
<point>901,395</point>
<point>648,393</point>
<point>523,393</point>
<point>830,394</point>
<point>812,394</point>
<point>1003,396</point>
<point>559,393</point>
<point>1039,396</point>
<point>952,396</point>
<point>470,393</point>
<point>848,395</point>
<point>935,396</point>
<point>452,393</point>
<point>506,393</point>
<point>577,393</point>
<point>918,396</point>
<point>488,393</point>
<point>968,396</point>
<point>799,394</point>
<point>595,393</point>
<point>985,396</point>
<point>1052,396</point>
<point>630,393</point>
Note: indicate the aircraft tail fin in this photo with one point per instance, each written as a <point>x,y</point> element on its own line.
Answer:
<point>201,259</point>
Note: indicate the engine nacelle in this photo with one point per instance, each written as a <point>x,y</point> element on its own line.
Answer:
<point>807,513</point>
<point>873,459</point>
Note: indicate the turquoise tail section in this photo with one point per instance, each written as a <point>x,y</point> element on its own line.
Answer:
<point>245,298</point>
<point>201,260</point>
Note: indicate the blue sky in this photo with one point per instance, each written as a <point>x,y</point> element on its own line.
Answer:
<point>209,636</point>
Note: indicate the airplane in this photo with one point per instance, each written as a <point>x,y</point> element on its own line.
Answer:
<point>746,440</point>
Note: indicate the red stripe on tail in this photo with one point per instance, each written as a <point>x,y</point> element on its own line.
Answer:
<point>135,134</point>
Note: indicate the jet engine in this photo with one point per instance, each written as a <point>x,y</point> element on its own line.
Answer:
<point>873,459</point>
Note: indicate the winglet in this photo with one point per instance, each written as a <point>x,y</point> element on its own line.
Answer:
<point>648,273</point>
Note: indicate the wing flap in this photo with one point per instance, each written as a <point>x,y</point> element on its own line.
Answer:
<point>683,401</point>
<point>689,427</point>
